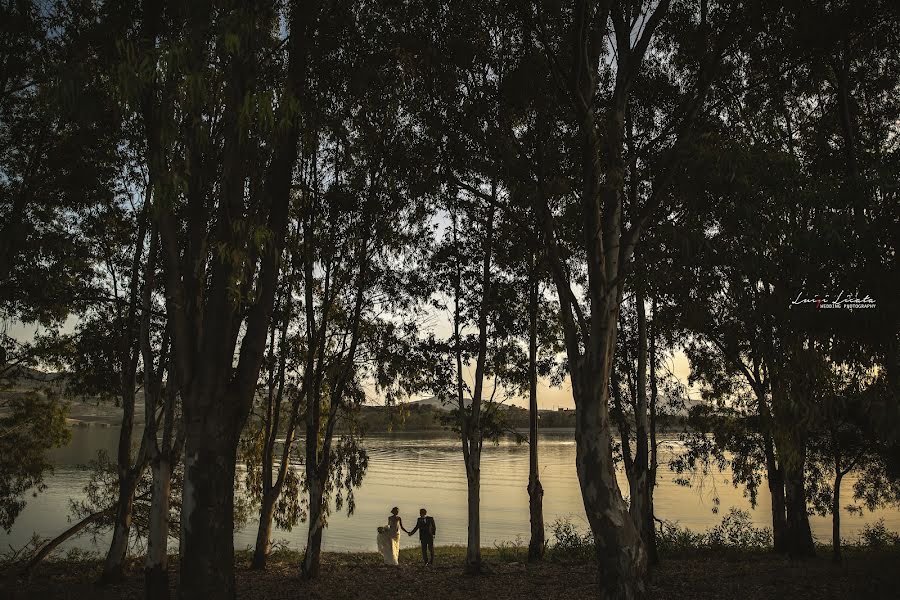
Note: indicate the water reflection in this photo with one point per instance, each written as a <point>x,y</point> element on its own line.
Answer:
<point>412,470</point>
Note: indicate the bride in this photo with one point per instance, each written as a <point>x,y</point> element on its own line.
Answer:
<point>389,538</point>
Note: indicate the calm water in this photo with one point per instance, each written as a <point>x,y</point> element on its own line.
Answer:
<point>411,470</point>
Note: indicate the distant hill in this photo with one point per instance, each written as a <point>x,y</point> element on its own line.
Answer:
<point>27,379</point>
<point>437,402</point>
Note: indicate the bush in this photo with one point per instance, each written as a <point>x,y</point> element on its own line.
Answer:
<point>878,537</point>
<point>569,543</point>
<point>514,551</point>
<point>736,532</point>
<point>672,539</point>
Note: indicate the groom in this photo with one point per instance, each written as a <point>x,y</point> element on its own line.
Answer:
<point>426,528</point>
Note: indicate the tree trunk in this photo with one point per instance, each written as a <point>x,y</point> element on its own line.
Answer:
<point>535,489</point>
<point>620,550</point>
<point>114,565</point>
<point>50,546</point>
<point>650,540</point>
<point>264,531</point>
<point>156,577</point>
<point>313,554</point>
<point>639,483</point>
<point>774,474</point>
<point>836,518</point>
<point>207,509</point>
<point>473,542</point>
<point>798,533</point>
<point>779,511</point>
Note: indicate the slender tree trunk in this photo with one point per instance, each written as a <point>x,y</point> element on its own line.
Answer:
<point>775,478</point>
<point>836,518</point>
<point>156,577</point>
<point>535,489</point>
<point>313,554</point>
<point>640,500</point>
<point>774,475</point>
<point>620,552</point>
<point>473,498</point>
<point>114,565</point>
<point>264,531</point>
<point>53,544</point>
<point>650,538</point>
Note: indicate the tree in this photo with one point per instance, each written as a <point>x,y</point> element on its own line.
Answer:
<point>221,269</point>
<point>595,81</point>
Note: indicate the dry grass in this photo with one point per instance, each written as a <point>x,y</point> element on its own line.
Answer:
<point>865,574</point>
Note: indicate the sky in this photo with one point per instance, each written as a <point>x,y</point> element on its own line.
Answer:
<point>549,397</point>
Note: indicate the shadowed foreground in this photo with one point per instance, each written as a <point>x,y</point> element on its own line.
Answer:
<point>360,576</point>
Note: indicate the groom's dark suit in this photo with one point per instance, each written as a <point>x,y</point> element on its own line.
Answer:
<point>427,530</point>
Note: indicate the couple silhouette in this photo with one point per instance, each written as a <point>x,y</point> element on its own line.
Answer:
<point>389,537</point>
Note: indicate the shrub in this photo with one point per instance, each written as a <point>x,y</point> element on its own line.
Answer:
<point>878,537</point>
<point>569,543</point>
<point>514,551</point>
<point>736,532</point>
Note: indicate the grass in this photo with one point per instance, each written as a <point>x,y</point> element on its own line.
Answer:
<point>731,560</point>
<point>361,575</point>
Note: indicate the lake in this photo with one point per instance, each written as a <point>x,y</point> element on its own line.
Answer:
<point>425,469</point>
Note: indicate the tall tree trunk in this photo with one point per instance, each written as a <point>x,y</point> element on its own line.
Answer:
<point>535,489</point>
<point>620,553</point>
<point>114,565</point>
<point>620,550</point>
<point>650,539</point>
<point>473,504</point>
<point>798,533</point>
<point>775,478</point>
<point>639,482</point>
<point>207,509</point>
<point>313,554</point>
<point>156,564</point>
<point>836,516</point>
<point>264,531</point>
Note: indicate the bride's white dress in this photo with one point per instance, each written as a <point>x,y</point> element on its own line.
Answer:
<point>389,541</point>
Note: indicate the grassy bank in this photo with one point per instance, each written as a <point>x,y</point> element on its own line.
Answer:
<point>705,575</point>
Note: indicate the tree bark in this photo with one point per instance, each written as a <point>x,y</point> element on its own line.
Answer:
<point>264,531</point>
<point>207,511</point>
<point>775,478</point>
<point>535,489</point>
<point>620,551</point>
<point>312,556</point>
<point>798,533</point>
<point>836,517</point>
<point>114,565</point>
<point>638,479</point>
<point>156,577</point>
<point>473,504</point>
<point>50,546</point>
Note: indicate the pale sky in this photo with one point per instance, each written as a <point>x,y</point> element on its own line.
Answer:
<point>549,397</point>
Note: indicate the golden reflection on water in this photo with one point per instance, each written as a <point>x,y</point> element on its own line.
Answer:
<point>425,469</point>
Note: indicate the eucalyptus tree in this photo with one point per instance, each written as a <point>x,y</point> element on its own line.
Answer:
<point>363,223</point>
<point>595,53</point>
<point>278,493</point>
<point>217,89</point>
<point>777,150</point>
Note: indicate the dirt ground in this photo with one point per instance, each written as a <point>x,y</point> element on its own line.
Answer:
<point>359,576</point>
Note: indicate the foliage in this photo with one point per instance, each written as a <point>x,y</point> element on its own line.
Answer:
<point>569,543</point>
<point>29,425</point>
